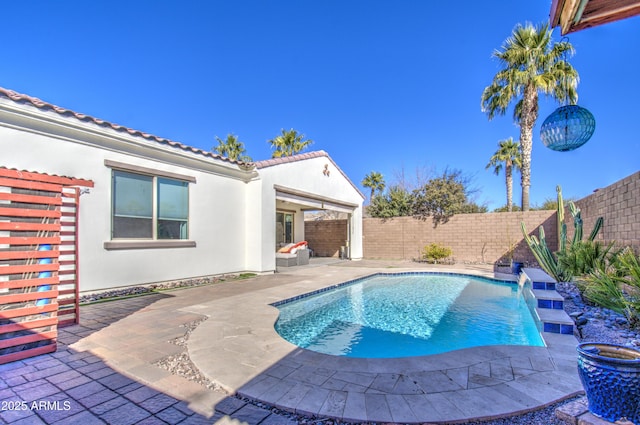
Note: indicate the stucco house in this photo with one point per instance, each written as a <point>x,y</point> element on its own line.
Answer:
<point>152,209</point>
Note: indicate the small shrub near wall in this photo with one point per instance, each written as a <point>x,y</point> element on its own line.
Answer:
<point>435,253</point>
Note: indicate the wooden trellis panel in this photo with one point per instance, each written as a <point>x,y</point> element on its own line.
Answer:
<point>68,289</point>
<point>32,213</point>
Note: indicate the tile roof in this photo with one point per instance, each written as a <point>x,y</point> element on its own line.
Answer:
<point>301,157</point>
<point>293,158</point>
<point>40,104</point>
<point>26,99</point>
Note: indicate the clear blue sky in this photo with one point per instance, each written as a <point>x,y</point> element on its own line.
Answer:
<point>379,85</point>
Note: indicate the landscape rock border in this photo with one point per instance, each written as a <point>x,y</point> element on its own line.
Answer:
<point>132,291</point>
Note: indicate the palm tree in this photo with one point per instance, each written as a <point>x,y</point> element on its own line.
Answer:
<point>508,153</point>
<point>532,64</point>
<point>288,143</point>
<point>374,181</point>
<point>232,148</point>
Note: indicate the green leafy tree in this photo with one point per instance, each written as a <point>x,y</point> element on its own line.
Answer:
<point>552,204</point>
<point>232,148</point>
<point>548,204</point>
<point>504,208</point>
<point>441,197</point>
<point>374,181</point>
<point>508,153</point>
<point>396,202</point>
<point>472,208</point>
<point>531,64</point>
<point>289,143</point>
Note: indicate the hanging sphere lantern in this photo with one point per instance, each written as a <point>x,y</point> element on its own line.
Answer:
<point>567,128</point>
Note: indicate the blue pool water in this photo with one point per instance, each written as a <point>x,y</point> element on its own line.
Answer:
<point>387,315</point>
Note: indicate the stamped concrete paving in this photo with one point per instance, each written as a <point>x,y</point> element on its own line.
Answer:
<point>104,385</point>
<point>105,368</point>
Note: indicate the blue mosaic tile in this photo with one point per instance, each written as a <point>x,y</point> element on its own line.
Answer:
<point>566,329</point>
<point>539,285</point>
<point>558,305</point>
<point>351,282</point>
<point>545,304</point>
<point>550,286</point>
<point>552,327</point>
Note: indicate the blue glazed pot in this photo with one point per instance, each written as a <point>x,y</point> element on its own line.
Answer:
<point>610,375</point>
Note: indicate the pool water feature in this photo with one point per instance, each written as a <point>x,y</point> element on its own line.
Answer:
<point>408,314</point>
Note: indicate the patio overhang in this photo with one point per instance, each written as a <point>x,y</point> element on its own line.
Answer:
<point>576,15</point>
<point>312,201</point>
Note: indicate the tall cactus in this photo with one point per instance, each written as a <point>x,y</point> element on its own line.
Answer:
<point>547,259</point>
<point>596,228</point>
<point>577,223</point>
<point>543,254</point>
<point>561,226</point>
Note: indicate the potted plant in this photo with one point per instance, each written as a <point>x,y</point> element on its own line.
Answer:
<point>610,375</point>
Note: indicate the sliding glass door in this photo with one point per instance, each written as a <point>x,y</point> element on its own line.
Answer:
<point>284,228</point>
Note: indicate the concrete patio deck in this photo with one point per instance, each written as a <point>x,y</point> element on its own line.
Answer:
<point>106,367</point>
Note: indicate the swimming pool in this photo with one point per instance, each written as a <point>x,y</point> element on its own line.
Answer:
<point>408,314</point>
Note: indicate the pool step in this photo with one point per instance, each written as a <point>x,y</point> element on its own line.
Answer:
<point>549,304</point>
<point>549,299</point>
<point>555,321</point>
<point>539,279</point>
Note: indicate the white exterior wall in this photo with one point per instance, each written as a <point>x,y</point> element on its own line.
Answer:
<point>308,176</point>
<point>356,234</point>
<point>217,221</point>
<point>231,210</point>
<point>266,254</point>
<point>255,226</point>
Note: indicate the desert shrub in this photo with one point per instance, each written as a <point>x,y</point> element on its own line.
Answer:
<point>435,252</point>
<point>583,257</point>
<point>616,286</point>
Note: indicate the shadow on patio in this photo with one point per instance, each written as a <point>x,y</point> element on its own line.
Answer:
<point>86,381</point>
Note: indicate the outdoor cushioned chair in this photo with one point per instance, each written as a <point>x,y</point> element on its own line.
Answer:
<point>293,255</point>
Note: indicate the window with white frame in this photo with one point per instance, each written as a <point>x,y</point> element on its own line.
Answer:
<point>148,206</point>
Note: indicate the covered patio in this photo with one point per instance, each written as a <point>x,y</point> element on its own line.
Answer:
<point>294,185</point>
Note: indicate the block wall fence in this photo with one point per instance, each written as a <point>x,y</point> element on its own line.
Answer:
<point>476,238</point>
<point>325,237</point>
<point>486,238</point>
<point>619,205</point>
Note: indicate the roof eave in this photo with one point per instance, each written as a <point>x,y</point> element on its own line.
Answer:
<point>38,104</point>
<point>302,157</point>
<point>576,15</point>
<point>63,127</point>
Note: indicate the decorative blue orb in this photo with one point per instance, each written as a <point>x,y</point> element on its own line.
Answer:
<point>567,128</point>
